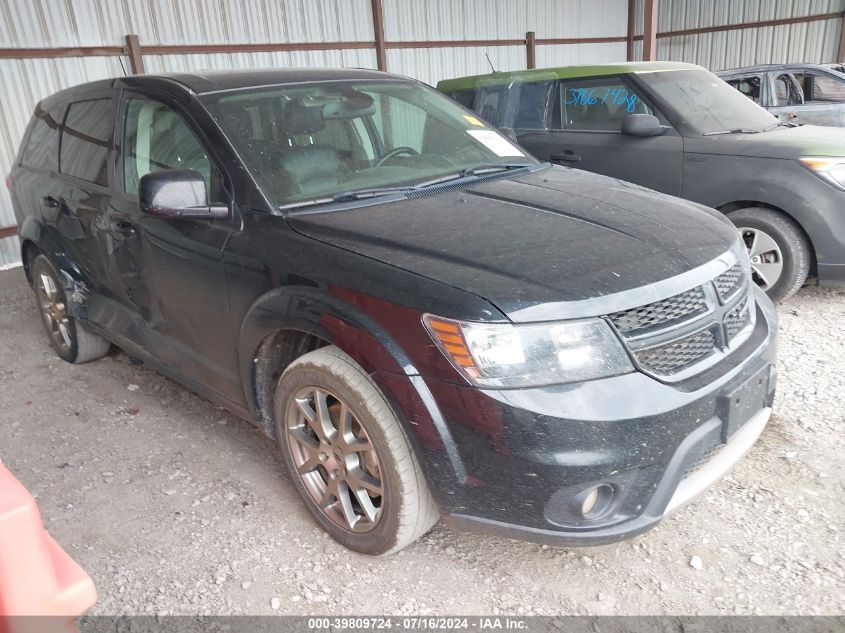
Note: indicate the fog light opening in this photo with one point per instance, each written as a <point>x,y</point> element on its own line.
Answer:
<point>594,501</point>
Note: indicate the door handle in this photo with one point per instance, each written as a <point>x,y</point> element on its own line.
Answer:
<point>565,157</point>
<point>123,227</point>
<point>50,202</point>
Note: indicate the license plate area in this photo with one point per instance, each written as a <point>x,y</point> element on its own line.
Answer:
<point>744,400</point>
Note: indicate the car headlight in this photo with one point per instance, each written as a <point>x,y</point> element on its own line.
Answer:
<point>830,169</point>
<point>504,355</point>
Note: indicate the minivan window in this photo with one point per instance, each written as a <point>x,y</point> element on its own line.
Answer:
<point>464,97</point>
<point>333,137</point>
<point>155,138</point>
<point>86,137</point>
<point>706,103</point>
<point>533,103</point>
<point>42,148</point>
<point>598,104</point>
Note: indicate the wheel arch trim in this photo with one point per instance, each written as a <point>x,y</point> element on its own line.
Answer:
<point>315,312</point>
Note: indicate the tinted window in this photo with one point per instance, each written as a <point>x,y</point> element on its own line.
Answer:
<point>86,137</point>
<point>598,104</point>
<point>464,97</point>
<point>42,147</point>
<point>489,103</point>
<point>749,86</point>
<point>533,101</point>
<point>156,139</point>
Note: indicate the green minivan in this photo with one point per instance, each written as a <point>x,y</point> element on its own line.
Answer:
<point>678,129</point>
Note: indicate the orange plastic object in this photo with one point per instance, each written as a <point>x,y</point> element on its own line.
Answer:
<point>37,578</point>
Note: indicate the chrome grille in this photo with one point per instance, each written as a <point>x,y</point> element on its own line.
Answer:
<point>674,356</point>
<point>737,319</point>
<point>678,336</point>
<point>729,281</point>
<point>674,309</point>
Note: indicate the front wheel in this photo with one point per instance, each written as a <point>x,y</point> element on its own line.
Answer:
<point>348,456</point>
<point>779,251</point>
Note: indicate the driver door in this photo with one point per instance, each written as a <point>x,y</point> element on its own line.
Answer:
<point>167,273</point>
<point>585,132</point>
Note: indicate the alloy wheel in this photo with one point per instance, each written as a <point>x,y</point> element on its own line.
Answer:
<point>53,311</point>
<point>766,256</point>
<point>335,459</point>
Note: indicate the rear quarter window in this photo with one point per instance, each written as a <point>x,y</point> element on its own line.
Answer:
<point>42,145</point>
<point>86,138</point>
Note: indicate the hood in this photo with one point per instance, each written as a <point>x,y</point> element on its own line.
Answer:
<point>784,142</point>
<point>550,238</point>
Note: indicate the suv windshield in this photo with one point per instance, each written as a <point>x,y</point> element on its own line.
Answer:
<point>311,142</point>
<point>707,103</point>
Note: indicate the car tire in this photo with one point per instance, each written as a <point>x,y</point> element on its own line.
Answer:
<point>67,338</point>
<point>780,248</point>
<point>358,438</point>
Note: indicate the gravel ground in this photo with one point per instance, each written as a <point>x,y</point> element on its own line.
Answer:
<point>177,507</point>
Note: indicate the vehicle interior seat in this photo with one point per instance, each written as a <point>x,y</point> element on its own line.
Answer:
<point>309,167</point>
<point>589,117</point>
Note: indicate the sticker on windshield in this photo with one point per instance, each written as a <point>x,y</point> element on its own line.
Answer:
<point>495,142</point>
<point>473,120</point>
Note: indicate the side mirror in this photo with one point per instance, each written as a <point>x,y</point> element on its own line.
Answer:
<point>643,125</point>
<point>177,193</point>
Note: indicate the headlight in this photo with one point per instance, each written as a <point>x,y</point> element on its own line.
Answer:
<point>830,169</point>
<point>504,355</point>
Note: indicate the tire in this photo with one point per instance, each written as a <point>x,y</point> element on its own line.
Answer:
<point>397,507</point>
<point>780,240</point>
<point>67,338</point>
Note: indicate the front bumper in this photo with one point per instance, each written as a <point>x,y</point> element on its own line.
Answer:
<point>528,454</point>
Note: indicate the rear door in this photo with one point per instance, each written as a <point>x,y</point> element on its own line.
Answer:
<point>584,131</point>
<point>36,188</point>
<point>85,147</point>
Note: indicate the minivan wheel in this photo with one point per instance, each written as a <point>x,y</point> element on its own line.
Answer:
<point>779,251</point>
<point>71,342</point>
<point>348,456</point>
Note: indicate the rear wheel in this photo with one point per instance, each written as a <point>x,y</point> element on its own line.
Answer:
<point>67,338</point>
<point>348,456</point>
<point>779,251</point>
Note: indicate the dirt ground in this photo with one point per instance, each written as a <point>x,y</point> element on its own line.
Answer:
<point>177,507</point>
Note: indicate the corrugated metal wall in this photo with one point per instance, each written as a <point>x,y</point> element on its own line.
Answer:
<point>68,23</point>
<point>415,20</point>
<point>65,23</point>
<point>815,42</point>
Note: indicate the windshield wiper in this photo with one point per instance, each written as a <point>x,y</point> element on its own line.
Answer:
<point>377,192</point>
<point>469,172</point>
<point>781,124</point>
<point>345,196</point>
<point>739,130</point>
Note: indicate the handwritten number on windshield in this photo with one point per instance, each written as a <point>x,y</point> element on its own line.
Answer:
<point>592,96</point>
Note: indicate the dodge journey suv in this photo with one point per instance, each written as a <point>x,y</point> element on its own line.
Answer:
<point>427,320</point>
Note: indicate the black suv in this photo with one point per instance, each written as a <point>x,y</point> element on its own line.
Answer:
<point>427,320</point>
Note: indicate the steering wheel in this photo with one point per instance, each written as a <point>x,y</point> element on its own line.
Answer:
<point>396,151</point>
